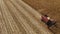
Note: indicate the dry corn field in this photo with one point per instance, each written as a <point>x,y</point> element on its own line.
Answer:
<point>16,17</point>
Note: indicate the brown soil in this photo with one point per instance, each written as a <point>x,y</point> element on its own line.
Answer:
<point>50,7</point>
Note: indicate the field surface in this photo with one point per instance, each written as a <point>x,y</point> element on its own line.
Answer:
<point>16,17</point>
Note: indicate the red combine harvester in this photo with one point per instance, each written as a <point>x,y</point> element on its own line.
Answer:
<point>49,22</point>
